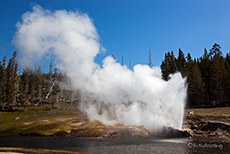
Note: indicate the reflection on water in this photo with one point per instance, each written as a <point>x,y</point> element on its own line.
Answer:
<point>116,146</point>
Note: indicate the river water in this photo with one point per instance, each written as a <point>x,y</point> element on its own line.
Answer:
<point>117,146</point>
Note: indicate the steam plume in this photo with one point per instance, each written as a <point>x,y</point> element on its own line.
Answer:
<point>112,93</point>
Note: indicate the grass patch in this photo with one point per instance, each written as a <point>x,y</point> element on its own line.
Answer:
<point>38,121</point>
<point>216,114</point>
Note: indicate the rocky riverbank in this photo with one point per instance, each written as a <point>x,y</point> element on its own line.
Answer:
<point>211,124</point>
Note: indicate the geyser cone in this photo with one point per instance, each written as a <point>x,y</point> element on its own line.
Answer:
<point>112,94</point>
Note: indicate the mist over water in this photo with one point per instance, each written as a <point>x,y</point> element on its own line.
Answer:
<point>112,93</point>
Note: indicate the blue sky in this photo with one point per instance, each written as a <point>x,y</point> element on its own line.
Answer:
<point>129,28</point>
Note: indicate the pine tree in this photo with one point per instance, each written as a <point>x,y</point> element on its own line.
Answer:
<point>172,62</point>
<point>195,86</point>
<point>180,62</point>
<point>188,64</point>
<point>168,66</point>
<point>165,68</point>
<point>150,59</point>
<point>39,85</point>
<point>218,76</point>
<point>15,78</point>
<point>9,86</point>
<point>32,87</point>
<point>50,70</point>
<point>24,89</point>
<point>3,83</point>
<point>227,67</point>
<point>215,51</point>
<point>12,83</point>
<point>205,67</point>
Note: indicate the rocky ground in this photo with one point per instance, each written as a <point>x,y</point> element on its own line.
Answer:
<point>212,124</point>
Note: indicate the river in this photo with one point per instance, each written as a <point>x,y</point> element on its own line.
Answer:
<point>117,146</point>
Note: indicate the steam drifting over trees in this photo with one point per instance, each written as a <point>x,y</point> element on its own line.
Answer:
<point>208,79</point>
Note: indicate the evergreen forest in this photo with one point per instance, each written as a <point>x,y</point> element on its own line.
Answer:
<point>208,76</point>
<point>208,81</point>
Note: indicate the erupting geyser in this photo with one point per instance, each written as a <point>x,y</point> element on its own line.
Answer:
<point>112,94</point>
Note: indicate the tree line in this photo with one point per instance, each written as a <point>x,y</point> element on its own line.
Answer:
<point>208,79</point>
<point>208,76</point>
<point>19,89</point>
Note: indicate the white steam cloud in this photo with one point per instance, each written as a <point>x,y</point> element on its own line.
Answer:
<point>112,94</point>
